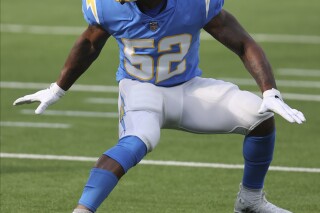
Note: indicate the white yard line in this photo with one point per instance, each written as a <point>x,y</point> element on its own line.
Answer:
<point>301,97</point>
<point>42,30</point>
<point>277,38</point>
<point>73,30</point>
<point>76,87</point>
<point>156,162</point>
<point>102,100</point>
<point>298,72</point>
<point>294,39</point>
<point>74,113</point>
<point>114,89</point>
<point>34,125</point>
<point>282,83</point>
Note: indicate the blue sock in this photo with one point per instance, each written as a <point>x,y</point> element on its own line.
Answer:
<point>258,153</point>
<point>128,152</point>
<point>100,184</point>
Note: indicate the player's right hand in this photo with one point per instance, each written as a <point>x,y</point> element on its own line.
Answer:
<point>46,97</point>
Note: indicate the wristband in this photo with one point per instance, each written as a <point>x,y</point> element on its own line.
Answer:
<point>55,89</point>
<point>272,93</point>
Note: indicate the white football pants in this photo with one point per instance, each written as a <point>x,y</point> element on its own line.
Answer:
<point>201,105</point>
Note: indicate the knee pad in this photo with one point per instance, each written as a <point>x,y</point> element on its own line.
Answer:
<point>128,152</point>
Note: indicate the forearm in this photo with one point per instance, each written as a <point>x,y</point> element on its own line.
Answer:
<point>80,58</point>
<point>256,62</point>
<point>86,49</point>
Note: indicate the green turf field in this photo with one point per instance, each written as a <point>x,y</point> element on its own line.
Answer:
<point>34,55</point>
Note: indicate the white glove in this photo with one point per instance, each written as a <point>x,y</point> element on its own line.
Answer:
<point>272,101</point>
<point>46,97</point>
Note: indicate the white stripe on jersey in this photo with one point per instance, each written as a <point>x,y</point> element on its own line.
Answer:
<point>207,7</point>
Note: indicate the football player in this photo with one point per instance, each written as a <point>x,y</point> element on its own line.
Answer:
<point>160,86</point>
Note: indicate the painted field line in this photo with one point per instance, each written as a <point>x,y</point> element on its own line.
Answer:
<point>102,100</point>
<point>282,83</point>
<point>42,30</point>
<point>34,125</point>
<point>300,97</point>
<point>276,38</point>
<point>114,89</point>
<point>75,87</point>
<point>299,72</point>
<point>47,157</point>
<point>74,31</point>
<point>74,113</point>
<point>156,162</point>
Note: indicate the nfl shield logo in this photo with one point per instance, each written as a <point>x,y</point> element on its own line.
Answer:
<point>153,26</point>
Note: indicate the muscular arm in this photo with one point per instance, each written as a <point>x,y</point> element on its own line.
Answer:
<point>86,49</point>
<point>227,30</point>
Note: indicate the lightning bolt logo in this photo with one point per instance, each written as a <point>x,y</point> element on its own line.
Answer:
<point>92,4</point>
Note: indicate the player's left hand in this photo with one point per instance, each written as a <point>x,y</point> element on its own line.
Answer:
<point>272,101</point>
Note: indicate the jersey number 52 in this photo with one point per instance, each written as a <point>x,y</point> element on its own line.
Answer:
<point>141,66</point>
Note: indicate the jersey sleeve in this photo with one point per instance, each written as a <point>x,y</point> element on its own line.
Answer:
<point>90,10</point>
<point>213,8</point>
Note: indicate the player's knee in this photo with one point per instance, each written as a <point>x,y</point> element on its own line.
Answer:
<point>151,138</point>
<point>128,152</point>
<point>144,125</point>
<point>259,144</point>
<point>265,128</point>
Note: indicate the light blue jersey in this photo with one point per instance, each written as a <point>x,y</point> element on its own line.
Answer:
<point>162,50</point>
